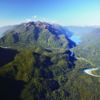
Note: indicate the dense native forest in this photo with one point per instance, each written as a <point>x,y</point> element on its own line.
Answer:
<point>36,64</point>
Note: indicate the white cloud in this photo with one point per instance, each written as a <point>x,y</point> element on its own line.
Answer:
<point>34,17</point>
<point>54,22</point>
<point>43,19</point>
<point>28,20</point>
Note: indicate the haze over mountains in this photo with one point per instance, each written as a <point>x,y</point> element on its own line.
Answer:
<point>89,48</point>
<point>4,29</point>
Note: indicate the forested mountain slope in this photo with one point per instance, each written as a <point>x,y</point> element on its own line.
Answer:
<point>37,33</point>
<point>35,74</point>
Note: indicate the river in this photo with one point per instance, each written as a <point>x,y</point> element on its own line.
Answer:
<point>88,71</point>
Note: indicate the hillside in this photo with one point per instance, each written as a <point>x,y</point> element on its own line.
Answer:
<point>39,34</point>
<point>34,74</point>
<point>30,68</point>
<point>41,74</point>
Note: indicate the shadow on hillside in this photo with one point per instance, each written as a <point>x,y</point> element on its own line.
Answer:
<point>71,43</point>
<point>43,63</point>
<point>72,58</point>
<point>6,56</point>
<point>10,89</point>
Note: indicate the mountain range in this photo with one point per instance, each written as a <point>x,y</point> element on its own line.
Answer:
<point>37,62</point>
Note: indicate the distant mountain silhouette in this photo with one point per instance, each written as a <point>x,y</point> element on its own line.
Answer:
<point>4,29</point>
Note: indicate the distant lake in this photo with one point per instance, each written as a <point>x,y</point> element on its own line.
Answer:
<point>76,39</point>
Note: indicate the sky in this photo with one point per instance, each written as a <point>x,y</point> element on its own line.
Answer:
<point>64,12</point>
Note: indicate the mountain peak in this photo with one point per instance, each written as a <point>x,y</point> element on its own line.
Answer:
<point>37,34</point>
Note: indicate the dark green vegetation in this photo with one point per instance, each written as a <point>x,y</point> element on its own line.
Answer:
<point>40,74</point>
<point>6,55</point>
<point>40,66</point>
<point>36,74</point>
<point>96,72</point>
